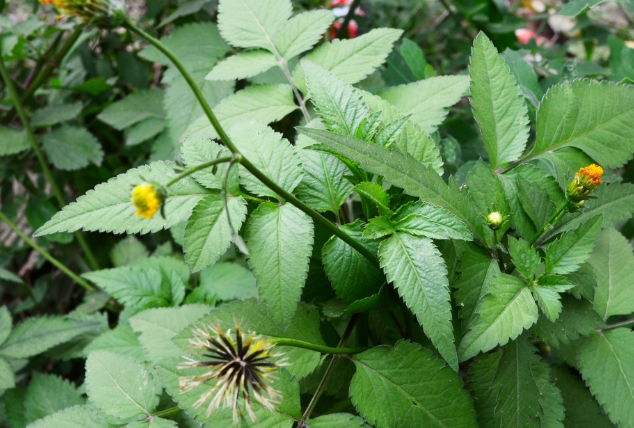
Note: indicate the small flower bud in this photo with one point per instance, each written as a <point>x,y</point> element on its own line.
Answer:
<point>495,220</point>
<point>148,199</point>
<point>585,181</point>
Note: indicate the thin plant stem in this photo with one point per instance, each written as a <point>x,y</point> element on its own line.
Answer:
<point>343,30</point>
<point>40,157</point>
<point>315,347</point>
<point>616,325</point>
<point>447,7</point>
<point>550,223</point>
<point>42,60</point>
<point>298,95</point>
<point>331,366</point>
<point>45,254</point>
<point>497,251</point>
<point>244,161</point>
<point>197,168</point>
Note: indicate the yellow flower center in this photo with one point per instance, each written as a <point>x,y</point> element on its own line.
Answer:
<point>146,199</point>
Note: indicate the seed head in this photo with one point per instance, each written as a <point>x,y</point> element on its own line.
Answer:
<point>148,199</point>
<point>243,367</point>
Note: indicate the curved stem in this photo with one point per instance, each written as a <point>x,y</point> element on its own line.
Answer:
<point>616,325</point>
<point>289,197</point>
<point>314,347</point>
<point>45,254</point>
<point>40,157</point>
<point>298,95</point>
<point>197,168</point>
<point>550,223</point>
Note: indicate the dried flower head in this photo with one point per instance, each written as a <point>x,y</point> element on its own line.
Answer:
<point>585,181</point>
<point>148,199</point>
<point>243,367</point>
<point>83,9</point>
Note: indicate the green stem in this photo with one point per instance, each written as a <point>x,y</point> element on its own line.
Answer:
<point>45,254</point>
<point>549,224</point>
<point>314,347</point>
<point>197,168</point>
<point>245,162</point>
<point>40,157</point>
<point>498,253</point>
<point>343,30</point>
<point>616,325</point>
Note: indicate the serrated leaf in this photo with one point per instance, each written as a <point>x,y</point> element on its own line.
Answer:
<point>48,394</point>
<point>5,324</point>
<point>351,60</point>
<point>158,327</point>
<point>337,420</point>
<point>535,202</point>
<point>606,362</point>
<point>400,170</point>
<point>208,232</point>
<point>7,275</point>
<point>127,251</point>
<point>108,208</point>
<point>612,262</point>
<point>252,23</point>
<point>7,377</point>
<point>55,113</point>
<point>70,148</point>
<point>577,319</point>
<point>506,310</point>
<point>144,130</point>
<point>378,227</point>
<point>243,65</point>
<point>120,340</point>
<point>573,248</point>
<point>227,281</point>
<point>302,32</point>
<point>260,103</point>
<point>196,151</point>
<point>524,256</point>
<point>548,300</point>
<point>133,109</point>
<point>524,75</point>
<point>84,416</point>
<point>590,115</point>
<point>430,221</point>
<point>498,104</point>
<point>406,386</point>
<point>323,186</point>
<point>120,386</point>
<point>38,334</point>
<point>153,423</point>
<point>374,196</point>
<point>427,100</point>
<point>419,274</point>
<point>280,241</point>
<point>353,277</point>
<point>340,107</point>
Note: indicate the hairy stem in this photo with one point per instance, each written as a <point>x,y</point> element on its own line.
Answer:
<point>245,162</point>
<point>551,221</point>
<point>298,95</point>
<point>45,254</point>
<point>197,168</point>
<point>40,157</point>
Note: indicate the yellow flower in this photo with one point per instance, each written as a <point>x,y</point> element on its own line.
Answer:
<point>147,198</point>
<point>83,9</point>
<point>585,181</point>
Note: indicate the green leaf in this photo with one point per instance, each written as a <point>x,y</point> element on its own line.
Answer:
<point>590,115</point>
<point>412,140</point>
<point>252,23</point>
<point>427,100</point>
<point>208,231</point>
<point>340,107</point>
<point>7,275</point>
<point>525,257</point>
<point>378,227</point>
<point>144,130</point>
<point>260,103</point>
<point>133,109</point>
<point>55,113</point>
<point>13,141</point>
<point>121,340</point>
<point>127,251</point>
<point>302,32</point>
<point>120,386</point>
<point>582,411</point>
<point>353,277</point>
<point>573,248</point>
<point>280,241</point>
<point>254,316</point>
<point>227,281</point>
<point>606,362</point>
<point>525,76</point>
<point>406,386</point>
<point>351,60</point>
<point>84,416</point>
<point>548,299</point>
<point>243,65</point>
<point>323,186</point>
<point>400,170</point>
<point>337,420</point>
<point>139,287</point>
<point>535,202</point>
<point>498,104</point>
<point>158,327</point>
<point>506,310</point>
<point>611,261</point>
<point>419,274</point>
<point>270,153</point>
<point>70,148</point>
<point>196,151</point>
<point>577,7</point>
<point>38,334</point>
<point>577,319</point>
<point>374,195</point>
<point>430,221</point>
<point>7,377</point>
<point>48,394</point>
<point>477,268</point>
<point>153,423</point>
<point>108,208</point>
<point>5,324</point>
